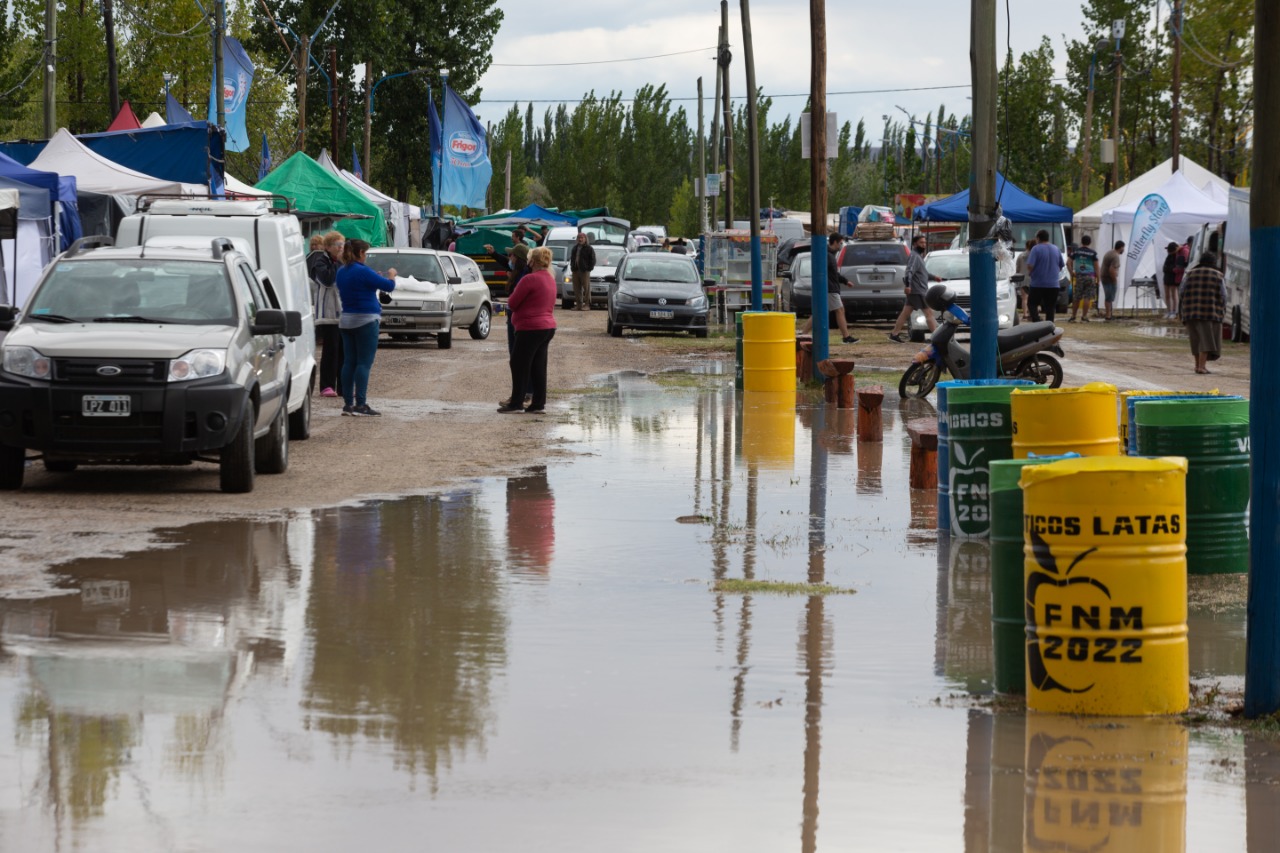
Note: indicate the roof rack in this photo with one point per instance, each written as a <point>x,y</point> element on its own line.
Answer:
<point>86,244</point>
<point>146,200</point>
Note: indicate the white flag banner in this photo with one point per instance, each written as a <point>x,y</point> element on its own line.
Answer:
<point>1147,219</point>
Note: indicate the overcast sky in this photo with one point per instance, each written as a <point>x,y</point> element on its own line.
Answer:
<point>871,45</point>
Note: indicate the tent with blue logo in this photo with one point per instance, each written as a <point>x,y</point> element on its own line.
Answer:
<point>1017,205</point>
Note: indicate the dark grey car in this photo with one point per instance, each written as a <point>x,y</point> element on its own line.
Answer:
<point>876,272</point>
<point>659,291</point>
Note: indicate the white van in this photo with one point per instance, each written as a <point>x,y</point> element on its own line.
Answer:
<point>272,239</point>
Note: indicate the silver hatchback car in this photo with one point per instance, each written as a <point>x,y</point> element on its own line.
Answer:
<point>876,270</point>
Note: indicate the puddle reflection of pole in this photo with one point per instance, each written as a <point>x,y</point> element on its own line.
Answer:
<point>719,510</point>
<point>994,790</point>
<point>744,617</point>
<point>1261,767</point>
<point>814,639</point>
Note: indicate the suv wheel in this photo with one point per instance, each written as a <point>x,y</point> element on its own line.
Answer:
<point>271,452</point>
<point>235,465</point>
<point>13,466</point>
<point>300,421</point>
<point>479,328</point>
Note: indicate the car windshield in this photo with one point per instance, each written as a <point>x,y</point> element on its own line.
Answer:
<point>948,267</point>
<point>658,268</point>
<point>186,292</point>
<point>872,254</point>
<point>422,266</point>
<point>608,256</point>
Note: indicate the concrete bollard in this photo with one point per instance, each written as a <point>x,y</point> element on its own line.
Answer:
<point>870,424</point>
<point>924,453</point>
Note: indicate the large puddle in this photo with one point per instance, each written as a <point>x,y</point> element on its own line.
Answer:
<point>543,663</point>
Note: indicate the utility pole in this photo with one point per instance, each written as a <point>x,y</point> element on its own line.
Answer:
<point>1086,140</point>
<point>113,73</point>
<point>753,154</point>
<point>1175,26</point>
<point>1262,646</point>
<point>506,198</point>
<point>728,116</point>
<point>1115,120</point>
<point>982,194</point>
<point>715,128</point>
<point>50,68</point>
<point>304,52</point>
<point>884,155</point>
<point>368,118</point>
<point>702,167</point>
<point>333,99</point>
<point>219,74</point>
<point>818,180</point>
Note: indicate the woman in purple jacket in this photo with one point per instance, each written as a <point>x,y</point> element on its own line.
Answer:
<point>358,286</point>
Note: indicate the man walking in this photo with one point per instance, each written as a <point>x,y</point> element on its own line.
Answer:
<point>1084,263</point>
<point>1111,274</point>
<point>834,303</point>
<point>1201,306</point>
<point>917,278</point>
<point>582,260</point>
<point>1045,264</point>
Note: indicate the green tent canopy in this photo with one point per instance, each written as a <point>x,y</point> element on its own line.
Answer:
<point>314,189</point>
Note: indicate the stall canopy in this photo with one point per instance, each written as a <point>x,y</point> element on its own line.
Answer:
<point>396,212</point>
<point>26,238</point>
<point>235,186</point>
<point>66,155</point>
<point>1016,204</point>
<point>62,191</point>
<point>125,119</point>
<point>190,153</point>
<point>531,215</point>
<point>316,190</point>
<point>153,120</point>
<point>1089,220</point>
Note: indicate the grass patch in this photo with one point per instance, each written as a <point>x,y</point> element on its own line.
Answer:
<point>739,586</point>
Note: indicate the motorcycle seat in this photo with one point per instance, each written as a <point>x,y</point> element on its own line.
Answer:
<point>1010,339</point>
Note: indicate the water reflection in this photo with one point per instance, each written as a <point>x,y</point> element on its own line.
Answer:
<point>531,522</point>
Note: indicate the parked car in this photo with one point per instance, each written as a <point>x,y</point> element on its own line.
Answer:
<point>795,288</point>
<point>146,356</point>
<point>436,292</point>
<point>657,291</point>
<point>952,266</point>
<point>876,270</point>
<point>607,259</point>
<point>788,249</point>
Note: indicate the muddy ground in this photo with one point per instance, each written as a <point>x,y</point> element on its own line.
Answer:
<point>439,426</point>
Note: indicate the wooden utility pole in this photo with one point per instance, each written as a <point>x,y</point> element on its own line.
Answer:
<point>1175,27</point>
<point>1262,650</point>
<point>1115,122</point>
<point>725,57</point>
<point>506,197</point>
<point>818,117</point>
<point>219,67</point>
<point>368,120</point>
<point>715,128</point>
<point>50,68</point>
<point>753,155</point>
<point>982,194</point>
<point>304,54</point>
<point>113,73</point>
<point>1086,139</point>
<point>702,167</point>
<point>333,101</point>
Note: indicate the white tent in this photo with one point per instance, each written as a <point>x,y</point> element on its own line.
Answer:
<point>94,173</point>
<point>1189,208</point>
<point>154,120</point>
<point>8,225</point>
<point>1089,220</point>
<point>239,187</point>
<point>27,241</point>
<point>397,213</point>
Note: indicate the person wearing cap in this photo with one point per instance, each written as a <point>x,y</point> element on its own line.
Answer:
<point>1170,276</point>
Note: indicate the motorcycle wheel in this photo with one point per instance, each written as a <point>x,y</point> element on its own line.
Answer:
<point>919,380</point>
<point>1042,368</point>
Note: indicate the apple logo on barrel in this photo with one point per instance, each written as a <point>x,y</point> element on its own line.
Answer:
<point>1044,648</point>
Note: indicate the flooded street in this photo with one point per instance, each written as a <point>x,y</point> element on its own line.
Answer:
<point>546,663</point>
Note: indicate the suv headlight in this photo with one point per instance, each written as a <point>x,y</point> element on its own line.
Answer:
<point>25,361</point>
<point>698,302</point>
<point>627,298</point>
<point>197,364</point>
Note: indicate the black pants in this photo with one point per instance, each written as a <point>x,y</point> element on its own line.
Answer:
<point>330,356</point>
<point>529,367</point>
<point>1044,299</point>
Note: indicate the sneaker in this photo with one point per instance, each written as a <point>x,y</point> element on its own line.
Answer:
<point>348,410</point>
<point>510,410</point>
<point>328,392</point>
<point>897,338</point>
<point>365,410</point>
<point>850,339</point>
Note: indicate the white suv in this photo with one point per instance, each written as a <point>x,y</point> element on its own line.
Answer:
<point>146,356</point>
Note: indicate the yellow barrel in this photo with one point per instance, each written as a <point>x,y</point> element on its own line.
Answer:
<point>1128,443</point>
<point>1117,786</point>
<point>768,351</point>
<point>769,428</point>
<point>1054,421</point>
<point>1105,576</point>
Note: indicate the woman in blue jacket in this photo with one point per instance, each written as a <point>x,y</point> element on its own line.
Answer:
<point>358,286</point>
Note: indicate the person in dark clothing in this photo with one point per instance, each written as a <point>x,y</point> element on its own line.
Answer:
<point>1201,308</point>
<point>834,303</point>
<point>917,285</point>
<point>1169,275</point>
<point>326,305</point>
<point>582,260</point>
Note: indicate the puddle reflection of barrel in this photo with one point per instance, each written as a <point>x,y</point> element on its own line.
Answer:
<point>1213,434</point>
<point>769,428</point>
<point>967,658</point>
<point>1106,586</point>
<point>1128,435</point>
<point>980,430</point>
<point>1105,785</point>
<point>944,438</point>
<point>1054,421</point>
<point>768,351</point>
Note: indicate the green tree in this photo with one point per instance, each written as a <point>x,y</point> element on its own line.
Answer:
<point>1033,146</point>
<point>506,138</point>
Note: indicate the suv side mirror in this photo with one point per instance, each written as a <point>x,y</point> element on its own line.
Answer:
<point>8,313</point>
<point>272,321</point>
<point>454,279</point>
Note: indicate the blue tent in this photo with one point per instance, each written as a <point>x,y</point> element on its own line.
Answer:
<point>1016,204</point>
<point>533,214</point>
<point>60,189</point>
<point>191,153</point>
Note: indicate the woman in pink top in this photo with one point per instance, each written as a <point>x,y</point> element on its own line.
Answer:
<point>531,305</point>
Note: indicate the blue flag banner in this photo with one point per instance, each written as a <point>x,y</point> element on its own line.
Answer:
<point>355,163</point>
<point>465,163</point>
<point>264,164</point>
<point>433,119</point>
<point>1147,219</point>
<point>174,112</point>
<point>237,77</point>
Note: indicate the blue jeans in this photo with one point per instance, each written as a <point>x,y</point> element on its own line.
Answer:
<point>359,346</point>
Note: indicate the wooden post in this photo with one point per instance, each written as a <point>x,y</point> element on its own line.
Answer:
<point>818,118</point>
<point>804,359</point>
<point>1086,142</point>
<point>870,421</point>
<point>924,453</point>
<point>702,167</point>
<point>333,101</point>
<point>982,195</point>
<point>1115,124</point>
<point>753,156</point>
<point>715,130</point>
<point>725,57</point>
<point>219,69</point>
<point>845,397</point>
<point>506,198</point>
<point>50,68</point>
<point>113,74</point>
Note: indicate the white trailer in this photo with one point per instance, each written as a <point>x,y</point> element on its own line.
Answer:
<point>1236,249</point>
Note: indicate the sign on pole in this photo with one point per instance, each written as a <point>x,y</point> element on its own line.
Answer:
<point>833,137</point>
<point>713,185</point>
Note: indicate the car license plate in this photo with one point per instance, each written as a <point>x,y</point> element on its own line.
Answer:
<point>877,277</point>
<point>105,405</point>
<point>661,315</point>
<point>393,321</point>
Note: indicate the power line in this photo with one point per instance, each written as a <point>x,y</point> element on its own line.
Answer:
<point>594,61</point>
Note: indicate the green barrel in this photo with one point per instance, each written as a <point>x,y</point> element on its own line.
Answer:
<point>944,490</point>
<point>1008,601</point>
<point>979,432</point>
<point>1213,434</point>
